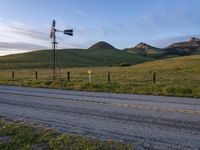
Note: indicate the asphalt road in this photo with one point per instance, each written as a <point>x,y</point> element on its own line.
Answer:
<point>144,121</point>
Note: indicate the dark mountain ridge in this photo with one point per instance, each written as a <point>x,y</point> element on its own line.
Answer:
<point>184,48</point>
<point>189,47</point>
<point>102,45</point>
<point>145,50</point>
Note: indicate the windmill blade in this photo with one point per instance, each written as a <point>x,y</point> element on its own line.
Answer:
<point>53,24</point>
<point>53,29</point>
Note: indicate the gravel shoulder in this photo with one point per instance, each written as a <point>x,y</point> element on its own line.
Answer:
<point>155,122</point>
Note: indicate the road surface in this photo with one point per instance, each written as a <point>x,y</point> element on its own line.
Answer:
<point>145,121</point>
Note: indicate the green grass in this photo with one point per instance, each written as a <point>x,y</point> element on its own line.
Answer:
<point>174,77</point>
<point>70,58</point>
<point>24,137</point>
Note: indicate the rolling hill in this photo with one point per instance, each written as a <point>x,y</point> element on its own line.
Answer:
<point>100,54</point>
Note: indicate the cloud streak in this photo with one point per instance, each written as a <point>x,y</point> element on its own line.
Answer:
<point>21,46</point>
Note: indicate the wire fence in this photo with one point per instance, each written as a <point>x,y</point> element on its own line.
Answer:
<point>105,76</point>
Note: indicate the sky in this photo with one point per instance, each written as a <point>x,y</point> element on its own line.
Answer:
<point>25,24</point>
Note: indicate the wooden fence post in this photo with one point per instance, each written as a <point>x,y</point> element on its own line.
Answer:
<point>13,74</point>
<point>36,75</point>
<point>108,77</point>
<point>154,77</point>
<point>68,76</point>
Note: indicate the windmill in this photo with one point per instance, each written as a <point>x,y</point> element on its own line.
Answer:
<point>54,43</point>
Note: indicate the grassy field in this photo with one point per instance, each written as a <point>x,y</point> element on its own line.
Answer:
<point>174,77</point>
<point>20,136</point>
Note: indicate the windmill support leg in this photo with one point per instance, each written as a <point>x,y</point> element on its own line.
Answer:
<point>54,57</point>
<point>54,60</point>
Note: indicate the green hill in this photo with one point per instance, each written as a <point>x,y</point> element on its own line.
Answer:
<point>99,55</point>
<point>70,58</point>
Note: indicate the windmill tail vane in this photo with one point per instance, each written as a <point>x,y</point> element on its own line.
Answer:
<point>69,32</point>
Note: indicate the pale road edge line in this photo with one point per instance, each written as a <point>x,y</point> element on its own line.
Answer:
<point>196,112</point>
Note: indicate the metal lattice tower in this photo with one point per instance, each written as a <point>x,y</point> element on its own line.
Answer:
<point>54,43</point>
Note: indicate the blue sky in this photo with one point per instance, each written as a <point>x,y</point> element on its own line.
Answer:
<point>25,24</point>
